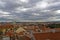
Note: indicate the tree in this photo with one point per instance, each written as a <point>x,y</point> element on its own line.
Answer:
<point>54,25</point>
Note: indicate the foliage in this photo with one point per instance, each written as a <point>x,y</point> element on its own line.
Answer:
<point>54,25</point>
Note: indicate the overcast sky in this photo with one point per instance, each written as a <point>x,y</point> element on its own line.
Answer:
<point>29,10</point>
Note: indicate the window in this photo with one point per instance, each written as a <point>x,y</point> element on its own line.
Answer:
<point>38,30</point>
<point>53,30</point>
<point>47,39</point>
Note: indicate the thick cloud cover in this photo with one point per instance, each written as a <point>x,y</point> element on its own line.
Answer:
<point>29,10</point>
